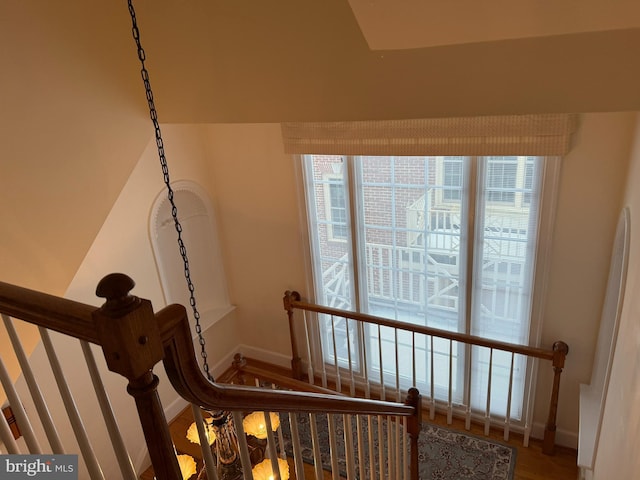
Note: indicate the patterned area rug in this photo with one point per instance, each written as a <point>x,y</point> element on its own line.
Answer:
<point>443,454</point>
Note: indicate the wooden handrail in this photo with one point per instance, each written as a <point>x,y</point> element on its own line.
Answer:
<point>292,300</point>
<point>557,355</point>
<point>188,380</point>
<point>65,316</point>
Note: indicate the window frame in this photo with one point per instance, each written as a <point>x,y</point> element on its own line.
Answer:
<point>331,180</point>
<point>548,192</point>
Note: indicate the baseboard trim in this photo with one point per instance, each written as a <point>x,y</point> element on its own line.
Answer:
<point>564,438</point>
<point>266,356</point>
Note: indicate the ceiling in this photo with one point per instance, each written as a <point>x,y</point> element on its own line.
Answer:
<point>401,24</point>
<point>256,61</point>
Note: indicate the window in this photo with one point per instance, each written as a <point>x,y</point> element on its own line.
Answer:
<point>408,245</point>
<point>528,180</point>
<point>337,210</point>
<point>452,178</point>
<point>501,179</point>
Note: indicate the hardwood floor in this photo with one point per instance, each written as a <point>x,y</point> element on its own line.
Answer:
<point>531,463</point>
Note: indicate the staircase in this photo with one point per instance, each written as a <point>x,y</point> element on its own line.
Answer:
<point>133,340</point>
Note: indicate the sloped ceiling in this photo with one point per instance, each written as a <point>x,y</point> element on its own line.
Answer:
<point>393,25</point>
<point>73,119</point>
<point>308,60</point>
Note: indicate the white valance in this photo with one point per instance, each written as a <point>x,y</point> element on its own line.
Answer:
<point>544,135</point>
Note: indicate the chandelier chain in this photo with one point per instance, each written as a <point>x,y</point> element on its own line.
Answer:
<point>170,193</point>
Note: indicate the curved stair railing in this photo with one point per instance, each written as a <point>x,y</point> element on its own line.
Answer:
<point>315,362</point>
<point>134,339</point>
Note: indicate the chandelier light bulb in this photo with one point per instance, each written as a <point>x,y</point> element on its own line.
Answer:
<point>255,424</point>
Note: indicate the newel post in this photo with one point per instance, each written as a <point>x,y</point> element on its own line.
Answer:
<point>132,345</point>
<point>560,351</point>
<point>296,362</point>
<point>414,399</point>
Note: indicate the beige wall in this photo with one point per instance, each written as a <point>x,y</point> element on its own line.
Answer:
<point>123,245</point>
<point>617,455</point>
<point>255,194</point>
<point>592,181</point>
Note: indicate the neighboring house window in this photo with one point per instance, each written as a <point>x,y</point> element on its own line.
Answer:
<point>452,181</point>
<point>412,234</point>
<point>501,179</point>
<point>337,206</point>
<point>529,174</point>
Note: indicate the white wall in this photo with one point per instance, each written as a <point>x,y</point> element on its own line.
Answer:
<point>617,454</point>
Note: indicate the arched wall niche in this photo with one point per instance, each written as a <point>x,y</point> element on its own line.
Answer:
<point>199,234</point>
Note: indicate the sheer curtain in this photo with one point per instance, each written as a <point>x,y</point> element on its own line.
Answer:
<point>505,244</point>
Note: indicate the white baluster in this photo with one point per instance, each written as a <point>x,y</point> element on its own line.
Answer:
<point>352,386</point>
<point>469,369</point>
<point>395,338</point>
<point>307,332</point>
<point>360,437</point>
<point>335,355</point>
<point>432,404</point>
<point>18,411</point>
<point>6,435</point>
<point>203,435</point>
<point>271,446</point>
<point>413,358</point>
<point>528,410</point>
<point>95,472</point>
<point>450,396</point>
<point>390,448</point>
<point>382,393</point>
<point>283,453</point>
<point>405,448</point>
<point>398,456</point>
<point>372,461</point>
<point>317,457</point>
<point>333,447</point>
<point>348,447</point>
<point>487,415</point>
<point>36,395</point>
<point>365,366</point>
<point>122,456</point>
<point>243,448</point>
<point>295,442</point>
<point>381,448</point>
<point>507,418</point>
<point>323,363</point>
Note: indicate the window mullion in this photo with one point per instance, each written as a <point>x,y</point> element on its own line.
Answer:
<point>470,204</point>
<point>471,187</point>
<point>354,221</point>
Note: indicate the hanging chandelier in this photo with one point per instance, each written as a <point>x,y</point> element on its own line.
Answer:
<point>219,429</point>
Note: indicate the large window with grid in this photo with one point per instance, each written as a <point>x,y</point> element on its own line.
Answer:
<point>446,242</point>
